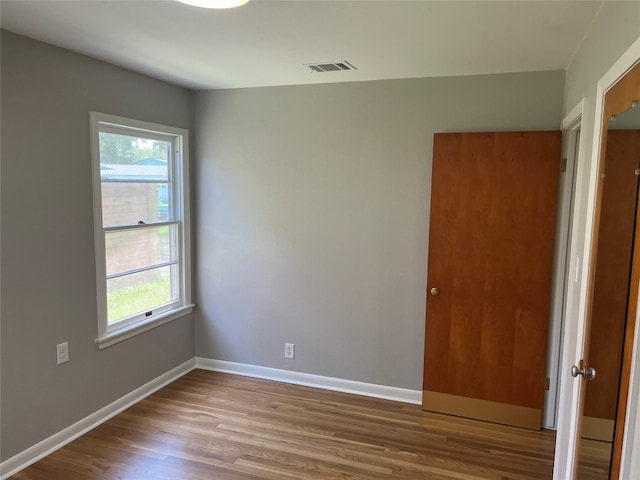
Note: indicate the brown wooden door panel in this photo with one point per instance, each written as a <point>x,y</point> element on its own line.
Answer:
<point>491,237</point>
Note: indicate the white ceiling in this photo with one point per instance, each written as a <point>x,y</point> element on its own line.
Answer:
<point>266,42</point>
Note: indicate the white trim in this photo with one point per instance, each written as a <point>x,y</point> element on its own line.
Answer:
<point>571,126</point>
<point>47,446</point>
<point>572,337</point>
<point>98,233</point>
<point>144,127</point>
<point>573,120</point>
<point>134,329</point>
<point>310,380</point>
<point>183,204</point>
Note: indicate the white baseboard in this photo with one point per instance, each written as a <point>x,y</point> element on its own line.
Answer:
<point>309,380</point>
<point>47,446</point>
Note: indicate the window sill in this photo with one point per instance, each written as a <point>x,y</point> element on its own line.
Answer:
<point>129,331</point>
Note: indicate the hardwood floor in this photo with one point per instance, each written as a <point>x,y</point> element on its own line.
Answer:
<point>209,425</point>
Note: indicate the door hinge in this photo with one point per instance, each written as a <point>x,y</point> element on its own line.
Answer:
<point>563,164</point>
<point>547,383</point>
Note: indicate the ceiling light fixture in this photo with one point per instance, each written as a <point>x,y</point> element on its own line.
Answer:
<point>214,3</point>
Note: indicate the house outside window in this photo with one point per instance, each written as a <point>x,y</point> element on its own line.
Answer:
<point>141,217</point>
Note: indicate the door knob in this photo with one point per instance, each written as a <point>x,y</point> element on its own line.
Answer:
<point>587,373</point>
<point>435,291</point>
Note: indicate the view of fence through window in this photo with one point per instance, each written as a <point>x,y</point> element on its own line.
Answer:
<point>140,238</point>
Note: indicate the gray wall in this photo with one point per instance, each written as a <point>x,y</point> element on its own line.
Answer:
<point>48,266</point>
<point>313,208</point>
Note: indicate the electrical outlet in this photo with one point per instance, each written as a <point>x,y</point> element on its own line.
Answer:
<point>63,352</point>
<point>289,350</point>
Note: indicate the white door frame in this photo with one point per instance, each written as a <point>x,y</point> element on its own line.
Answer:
<point>571,127</point>
<point>572,329</point>
<point>577,295</point>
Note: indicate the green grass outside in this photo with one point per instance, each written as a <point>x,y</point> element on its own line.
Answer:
<point>138,298</point>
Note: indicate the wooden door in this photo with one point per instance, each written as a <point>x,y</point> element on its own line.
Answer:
<point>493,209</point>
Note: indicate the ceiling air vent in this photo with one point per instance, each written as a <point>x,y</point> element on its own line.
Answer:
<point>330,66</point>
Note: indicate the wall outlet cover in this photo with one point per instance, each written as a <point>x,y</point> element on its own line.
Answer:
<point>63,352</point>
<point>289,350</point>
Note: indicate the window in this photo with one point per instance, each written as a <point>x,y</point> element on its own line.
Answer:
<point>141,216</point>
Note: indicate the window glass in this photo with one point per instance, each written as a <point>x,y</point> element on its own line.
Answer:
<point>140,292</point>
<point>128,250</point>
<point>127,157</point>
<point>125,203</point>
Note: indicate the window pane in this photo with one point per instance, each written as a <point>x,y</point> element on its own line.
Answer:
<point>141,292</point>
<point>128,250</point>
<point>124,157</point>
<point>130,203</point>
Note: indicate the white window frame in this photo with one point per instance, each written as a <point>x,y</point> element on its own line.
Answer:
<point>119,331</point>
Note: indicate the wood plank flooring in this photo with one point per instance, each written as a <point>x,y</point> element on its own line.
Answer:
<point>209,425</point>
